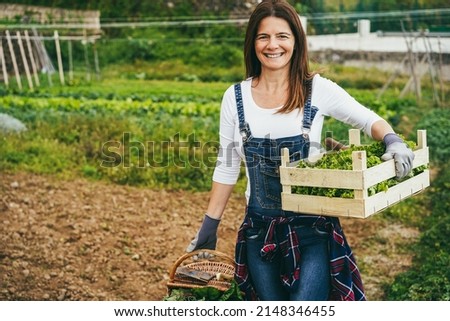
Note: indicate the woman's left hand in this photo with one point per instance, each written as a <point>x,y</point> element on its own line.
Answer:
<point>403,156</point>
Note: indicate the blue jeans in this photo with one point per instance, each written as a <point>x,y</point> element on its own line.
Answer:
<point>314,267</point>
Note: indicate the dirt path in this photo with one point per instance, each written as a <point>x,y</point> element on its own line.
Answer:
<point>83,240</point>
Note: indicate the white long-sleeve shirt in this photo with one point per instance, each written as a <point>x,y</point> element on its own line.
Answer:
<point>327,96</point>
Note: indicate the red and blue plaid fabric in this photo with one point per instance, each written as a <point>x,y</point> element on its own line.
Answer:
<point>346,284</point>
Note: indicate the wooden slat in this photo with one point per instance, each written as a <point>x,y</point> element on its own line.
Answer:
<point>59,58</point>
<point>395,194</point>
<point>357,208</point>
<point>3,62</point>
<point>386,170</point>
<point>379,173</point>
<point>322,205</point>
<point>24,61</point>
<point>346,179</point>
<point>422,138</point>
<point>32,60</point>
<point>421,157</point>
<point>333,178</point>
<point>13,59</point>
<point>359,163</point>
<point>321,178</point>
<point>354,136</point>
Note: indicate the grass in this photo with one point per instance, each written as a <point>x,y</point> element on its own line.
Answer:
<point>77,119</point>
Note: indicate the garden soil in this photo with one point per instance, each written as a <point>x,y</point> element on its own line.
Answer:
<point>85,240</point>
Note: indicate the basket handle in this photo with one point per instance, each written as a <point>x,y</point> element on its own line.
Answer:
<point>190,254</point>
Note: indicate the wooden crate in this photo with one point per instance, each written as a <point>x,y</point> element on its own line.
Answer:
<point>359,179</point>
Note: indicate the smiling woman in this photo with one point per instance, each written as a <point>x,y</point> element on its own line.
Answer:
<point>285,255</point>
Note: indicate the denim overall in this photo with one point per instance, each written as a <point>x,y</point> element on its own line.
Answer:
<point>264,260</point>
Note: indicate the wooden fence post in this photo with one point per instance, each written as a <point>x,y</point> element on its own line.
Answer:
<point>96,62</point>
<point>86,57</point>
<point>13,59</point>
<point>428,52</point>
<point>58,54</point>
<point>412,62</point>
<point>42,57</point>
<point>3,61</point>
<point>69,49</point>
<point>32,60</point>
<point>441,76</point>
<point>24,61</point>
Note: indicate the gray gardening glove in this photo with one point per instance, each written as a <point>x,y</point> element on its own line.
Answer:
<point>403,156</point>
<point>206,237</point>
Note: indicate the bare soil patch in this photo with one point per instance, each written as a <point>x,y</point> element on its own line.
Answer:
<point>84,240</point>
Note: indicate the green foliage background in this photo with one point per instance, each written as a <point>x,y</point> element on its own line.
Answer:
<point>429,277</point>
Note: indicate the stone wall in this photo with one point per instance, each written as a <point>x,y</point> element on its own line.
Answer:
<point>41,15</point>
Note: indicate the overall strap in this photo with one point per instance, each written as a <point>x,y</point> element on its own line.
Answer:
<point>309,112</point>
<point>244,128</point>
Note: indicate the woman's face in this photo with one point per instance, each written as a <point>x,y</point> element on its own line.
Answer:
<point>274,44</point>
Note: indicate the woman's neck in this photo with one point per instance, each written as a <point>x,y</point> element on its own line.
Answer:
<point>270,90</point>
<point>272,81</point>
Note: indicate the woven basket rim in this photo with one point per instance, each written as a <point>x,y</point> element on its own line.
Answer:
<point>186,256</point>
<point>227,266</point>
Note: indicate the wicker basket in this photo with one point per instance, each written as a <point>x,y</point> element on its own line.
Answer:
<point>217,263</point>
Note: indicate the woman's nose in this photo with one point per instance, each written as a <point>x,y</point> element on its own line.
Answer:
<point>273,43</point>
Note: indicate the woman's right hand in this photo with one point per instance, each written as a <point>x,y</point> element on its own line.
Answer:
<point>206,237</point>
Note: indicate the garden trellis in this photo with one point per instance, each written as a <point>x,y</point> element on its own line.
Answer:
<point>22,53</point>
<point>122,41</point>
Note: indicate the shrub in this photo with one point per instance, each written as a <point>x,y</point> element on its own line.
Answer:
<point>429,277</point>
<point>438,133</point>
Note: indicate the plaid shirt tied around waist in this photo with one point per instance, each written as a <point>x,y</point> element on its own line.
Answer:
<point>281,237</point>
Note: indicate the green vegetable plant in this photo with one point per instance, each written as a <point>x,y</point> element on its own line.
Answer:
<point>206,293</point>
<point>342,160</point>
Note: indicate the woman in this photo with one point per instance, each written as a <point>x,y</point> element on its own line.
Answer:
<point>282,255</point>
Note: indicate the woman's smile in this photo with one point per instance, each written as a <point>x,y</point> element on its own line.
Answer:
<point>274,55</point>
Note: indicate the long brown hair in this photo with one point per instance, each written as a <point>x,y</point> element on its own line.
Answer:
<point>299,72</point>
